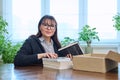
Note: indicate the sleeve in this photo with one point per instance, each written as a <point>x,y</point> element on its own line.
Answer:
<point>25,55</point>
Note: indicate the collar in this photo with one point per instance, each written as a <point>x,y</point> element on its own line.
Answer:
<point>42,39</point>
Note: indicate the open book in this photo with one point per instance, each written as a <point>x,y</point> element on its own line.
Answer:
<point>72,48</point>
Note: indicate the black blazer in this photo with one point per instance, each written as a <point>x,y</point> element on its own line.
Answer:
<point>27,55</point>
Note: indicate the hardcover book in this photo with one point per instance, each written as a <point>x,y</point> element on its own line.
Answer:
<point>72,48</point>
<point>58,63</point>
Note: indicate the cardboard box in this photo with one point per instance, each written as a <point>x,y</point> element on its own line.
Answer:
<point>96,62</point>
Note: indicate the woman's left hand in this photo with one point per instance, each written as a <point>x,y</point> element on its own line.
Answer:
<point>69,56</point>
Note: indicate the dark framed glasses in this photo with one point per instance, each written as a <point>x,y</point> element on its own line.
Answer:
<point>47,26</point>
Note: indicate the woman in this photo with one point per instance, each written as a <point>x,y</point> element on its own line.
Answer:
<point>44,44</point>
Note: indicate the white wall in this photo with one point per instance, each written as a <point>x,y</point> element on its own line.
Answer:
<point>104,48</point>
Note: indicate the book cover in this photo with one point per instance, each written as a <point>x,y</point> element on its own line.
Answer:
<point>72,48</point>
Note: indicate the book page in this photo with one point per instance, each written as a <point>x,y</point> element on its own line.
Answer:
<point>59,59</point>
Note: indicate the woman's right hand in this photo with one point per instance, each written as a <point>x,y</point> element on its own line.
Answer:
<point>47,55</point>
<point>50,55</point>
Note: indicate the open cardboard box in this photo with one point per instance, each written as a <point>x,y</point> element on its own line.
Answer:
<point>96,62</point>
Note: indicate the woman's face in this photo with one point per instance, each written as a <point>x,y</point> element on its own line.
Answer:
<point>48,28</point>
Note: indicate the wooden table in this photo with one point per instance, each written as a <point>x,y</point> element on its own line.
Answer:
<point>9,72</point>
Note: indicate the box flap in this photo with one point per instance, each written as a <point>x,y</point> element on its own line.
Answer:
<point>113,56</point>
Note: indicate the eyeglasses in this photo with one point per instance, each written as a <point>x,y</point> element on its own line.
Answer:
<point>47,26</point>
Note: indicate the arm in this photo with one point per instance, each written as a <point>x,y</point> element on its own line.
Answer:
<point>26,56</point>
<point>30,53</point>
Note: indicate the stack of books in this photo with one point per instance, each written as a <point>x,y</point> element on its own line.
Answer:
<point>58,63</point>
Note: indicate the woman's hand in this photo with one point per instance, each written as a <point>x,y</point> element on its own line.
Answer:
<point>48,55</point>
<point>69,56</point>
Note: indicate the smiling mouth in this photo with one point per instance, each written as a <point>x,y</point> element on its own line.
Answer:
<point>48,32</point>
